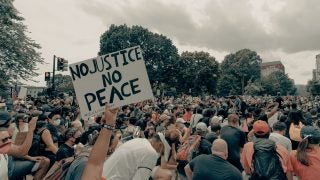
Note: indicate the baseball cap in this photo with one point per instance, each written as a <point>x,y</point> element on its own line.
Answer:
<point>4,118</point>
<point>202,127</point>
<point>261,127</point>
<point>310,131</point>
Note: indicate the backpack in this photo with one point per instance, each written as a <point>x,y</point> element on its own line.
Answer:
<point>60,168</point>
<point>184,150</point>
<point>37,145</point>
<point>294,132</point>
<point>266,162</point>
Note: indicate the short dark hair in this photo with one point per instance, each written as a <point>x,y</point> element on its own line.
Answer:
<point>279,126</point>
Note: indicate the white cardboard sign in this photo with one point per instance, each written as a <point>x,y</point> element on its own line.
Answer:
<point>117,79</point>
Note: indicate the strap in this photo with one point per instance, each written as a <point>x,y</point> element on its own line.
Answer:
<point>141,167</point>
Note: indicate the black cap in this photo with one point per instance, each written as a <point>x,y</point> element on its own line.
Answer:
<point>310,131</point>
<point>4,118</point>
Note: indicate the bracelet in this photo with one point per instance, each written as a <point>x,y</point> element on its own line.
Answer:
<point>109,127</point>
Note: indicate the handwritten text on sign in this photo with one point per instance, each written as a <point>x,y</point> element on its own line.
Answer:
<point>117,79</point>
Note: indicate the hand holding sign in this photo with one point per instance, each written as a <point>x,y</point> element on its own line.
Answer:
<point>116,79</point>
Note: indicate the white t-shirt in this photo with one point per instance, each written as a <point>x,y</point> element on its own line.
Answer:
<point>195,119</point>
<point>134,159</point>
<point>282,140</point>
<point>3,166</point>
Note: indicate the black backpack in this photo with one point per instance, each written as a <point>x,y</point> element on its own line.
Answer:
<point>266,162</point>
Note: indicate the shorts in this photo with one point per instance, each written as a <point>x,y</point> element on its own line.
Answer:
<point>18,168</point>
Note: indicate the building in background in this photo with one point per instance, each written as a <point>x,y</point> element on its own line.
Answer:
<point>317,70</point>
<point>30,91</point>
<point>268,68</point>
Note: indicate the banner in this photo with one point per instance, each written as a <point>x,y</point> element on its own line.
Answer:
<point>118,78</point>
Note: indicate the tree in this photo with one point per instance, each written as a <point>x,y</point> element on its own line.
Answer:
<point>161,56</point>
<point>62,82</point>
<point>313,87</point>
<point>18,53</point>
<point>199,72</point>
<point>278,82</point>
<point>237,69</point>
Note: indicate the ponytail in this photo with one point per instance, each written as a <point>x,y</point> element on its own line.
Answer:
<point>301,152</point>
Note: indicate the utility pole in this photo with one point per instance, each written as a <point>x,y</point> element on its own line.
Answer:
<point>53,74</point>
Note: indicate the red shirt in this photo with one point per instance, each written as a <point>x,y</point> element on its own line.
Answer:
<point>311,172</point>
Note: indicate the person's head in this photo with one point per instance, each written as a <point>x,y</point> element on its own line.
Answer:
<point>294,106</point>
<point>283,118</point>
<point>220,148</point>
<point>279,127</point>
<point>21,119</point>
<point>133,120</point>
<point>296,117</point>
<point>5,139</point>
<point>215,124</point>
<point>160,144</point>
<point>201,129</point>
<point>5,120</point>
<point>54,119</point>
<point>310,139</point>
<point>261,129</point>
<point>233,120</point>
<point>72,135</point>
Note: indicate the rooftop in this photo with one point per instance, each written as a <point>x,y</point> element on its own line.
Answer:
<point>271,63</point>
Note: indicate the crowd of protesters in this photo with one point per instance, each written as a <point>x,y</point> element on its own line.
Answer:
<point>236,137</point>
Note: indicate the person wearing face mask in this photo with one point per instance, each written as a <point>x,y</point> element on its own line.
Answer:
<point>72,137</point>
<point>6,146</point>
<point>49,138</point>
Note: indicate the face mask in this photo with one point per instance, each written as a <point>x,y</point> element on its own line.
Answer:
<point>77,140</point>
<point>57,122</point>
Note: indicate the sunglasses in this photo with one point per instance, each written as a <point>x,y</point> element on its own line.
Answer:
<point>5,140</point>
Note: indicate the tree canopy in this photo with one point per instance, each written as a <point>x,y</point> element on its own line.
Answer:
<point>18,53</point>
<point>198,72</point>
<point>161,56</point>
<point>237,69</point>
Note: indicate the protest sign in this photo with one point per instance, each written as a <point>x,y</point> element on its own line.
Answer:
<point>117,79</point>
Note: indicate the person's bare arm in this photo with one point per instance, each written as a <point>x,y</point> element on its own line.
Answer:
<point>274,110</point>
<point>23,149</point>
<point>186,135</point>
<point>94,167</point>
<point>188,172</point>
<point>47,139</point>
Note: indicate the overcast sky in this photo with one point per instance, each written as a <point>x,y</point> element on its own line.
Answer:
<point>286,30</point>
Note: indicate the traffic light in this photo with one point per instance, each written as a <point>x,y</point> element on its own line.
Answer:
<point>47,76</point>
<point>62,64</point>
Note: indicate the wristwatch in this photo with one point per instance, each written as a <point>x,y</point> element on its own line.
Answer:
<point>109,127</point>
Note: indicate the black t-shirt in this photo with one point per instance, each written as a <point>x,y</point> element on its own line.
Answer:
<point>64,152</point>
<point>213,167</point>
<point>211,137</point>
<point>235,139</point>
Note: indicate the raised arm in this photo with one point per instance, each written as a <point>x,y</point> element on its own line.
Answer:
<point>94,167</point>
<point>23,149</point>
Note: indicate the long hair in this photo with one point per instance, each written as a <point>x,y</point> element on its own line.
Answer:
<point>302,152</point>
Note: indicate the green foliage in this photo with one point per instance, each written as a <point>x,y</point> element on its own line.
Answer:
<point>18,53</point>
<point>160,55</point>
<point>278,82</point>
<point>62,82</point>
<point>237,69</point>
<point>199,72</point>
<point>313,87</point>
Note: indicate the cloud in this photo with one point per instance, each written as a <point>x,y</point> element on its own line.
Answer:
<point>226,25</point>
<point>285,30</point>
